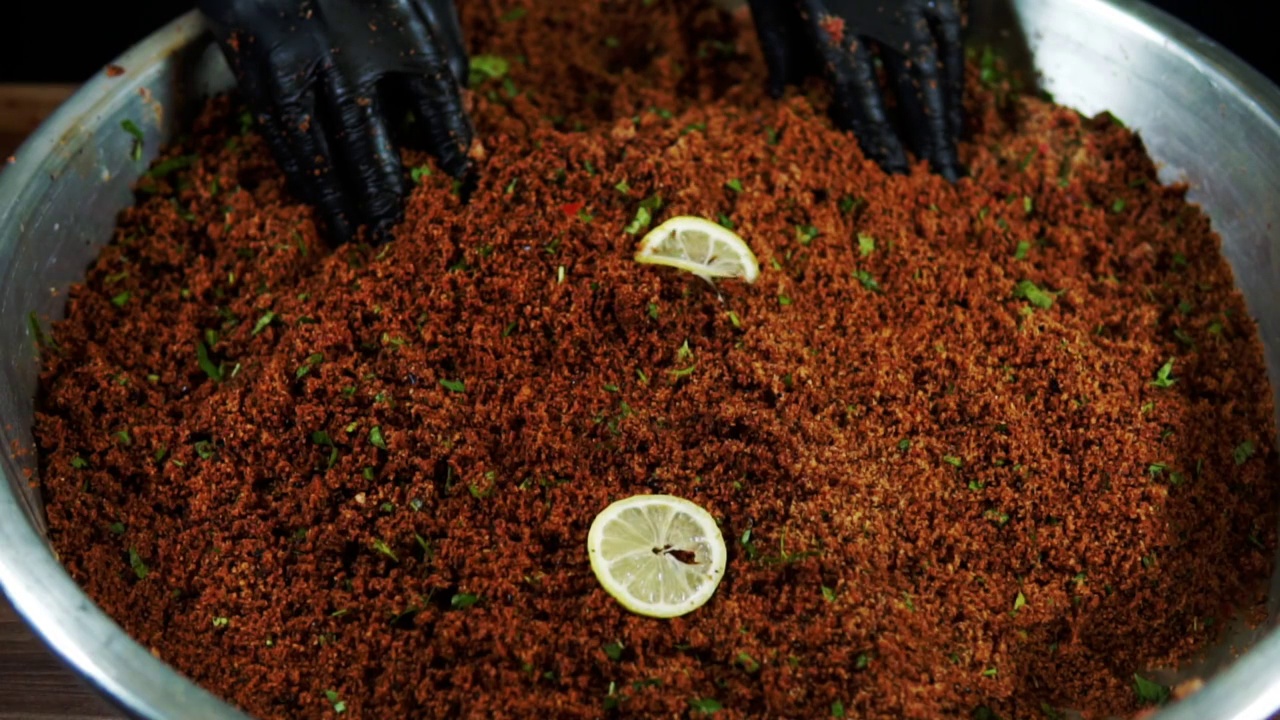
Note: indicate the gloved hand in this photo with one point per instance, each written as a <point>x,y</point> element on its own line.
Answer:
<point>325,78</point>
<point>920,43</point>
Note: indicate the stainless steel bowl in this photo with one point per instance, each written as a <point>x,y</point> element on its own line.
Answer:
<point>1207,118</point>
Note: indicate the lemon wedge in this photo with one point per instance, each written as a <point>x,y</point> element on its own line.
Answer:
<point>658,555</point>
<point>701,247</point>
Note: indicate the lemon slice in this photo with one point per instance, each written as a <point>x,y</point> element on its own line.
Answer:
<point>659,555</point>
<point>699,246</point>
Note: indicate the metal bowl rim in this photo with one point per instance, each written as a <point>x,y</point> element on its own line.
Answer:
<point>27,566</point>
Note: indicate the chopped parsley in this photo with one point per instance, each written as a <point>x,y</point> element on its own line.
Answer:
<point>202,357</point>
<point>462,601</point>
<point>307,366</point>
<point>339,706</point>
<point>132,128</point>
<point>735,185</point>
<point>1019,602</point>
<point>644,214</point>
<point>221,622</point>
<point>122,299</point>
<point>706,706</point>
<point>1163,378</point>
<point>1149,692</point>
<point>420,173</point>
<point>116,528</point>
<point>1118,205</point>
<point>952,460</point>
<point>514,14</point>
<point>139,567</point>
<point>267,318</point>
<point>867,280</point>
<point>1030,292</point>
<point>1243,452</point>
<point>866,244</point>
<point>806,234</point>
<point>828,594</point>
<point>837,709</point>
<point>383,548</point>
<point>454,385</point>
<point>613,650</point>
<point>1020,253</point>
<point>487,67</point>
<point>375,437</point>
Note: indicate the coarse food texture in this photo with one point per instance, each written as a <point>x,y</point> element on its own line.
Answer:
<point>977,450</point>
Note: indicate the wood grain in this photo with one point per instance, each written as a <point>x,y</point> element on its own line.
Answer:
<point>35,685</point>
<point>23,107</point>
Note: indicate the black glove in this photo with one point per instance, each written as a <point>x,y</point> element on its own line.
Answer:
<point>920,44</point>
<point>325,77</point>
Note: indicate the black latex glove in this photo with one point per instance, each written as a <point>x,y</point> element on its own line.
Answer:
<point>326,77</point>
<point>920,44</point>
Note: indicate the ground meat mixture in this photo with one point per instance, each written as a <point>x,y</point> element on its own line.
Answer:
<point>986,450</point>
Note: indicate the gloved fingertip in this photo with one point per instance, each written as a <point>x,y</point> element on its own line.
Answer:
<point>950,172</point>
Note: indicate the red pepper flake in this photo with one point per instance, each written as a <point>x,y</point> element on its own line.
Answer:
<point>833,26</point>
<point>571,209</point>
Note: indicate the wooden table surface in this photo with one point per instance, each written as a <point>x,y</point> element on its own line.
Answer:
<point>34,684</point>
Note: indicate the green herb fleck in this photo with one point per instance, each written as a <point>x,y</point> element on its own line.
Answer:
<point>267,318</point>
<point>1019,602</point>
<point>837,709</point>
<point>644,214</point>
<point>1028,291</point>
<point>828,594</point>
<point>454,385</point>
<point>1149,692</point>
<point>735,185</point>
<point>202,357</point>
<point>221,622</point>
<point>339,706</point>
<point>867,280</point>
<point>706,706</point>
<point>952,460</point>
<point>514,14</point>
<point>487,67</point>
<point>139,567</point>
<point>420,173</point>
<point>1118,205</point>
<point>462,601</point>
<point>613,650</point>
<point>1021,252</point>
<point>866,244</point>
<point>382,547</point>
<point>1163,379</point>
<point>122,299</point>
<point>132,128</point>
<point>116,528</point>
<point>307,366</point>
<point>375,437</point>
<point>79,463</point>
<point>1243,452</point>
<point>806,234</point>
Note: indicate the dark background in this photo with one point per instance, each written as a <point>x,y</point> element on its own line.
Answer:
<point>66,42</point>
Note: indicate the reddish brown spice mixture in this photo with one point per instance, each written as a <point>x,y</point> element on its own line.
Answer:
<point>955,478</point>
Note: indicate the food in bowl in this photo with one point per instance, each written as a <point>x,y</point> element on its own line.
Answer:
<point>988,449</point>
